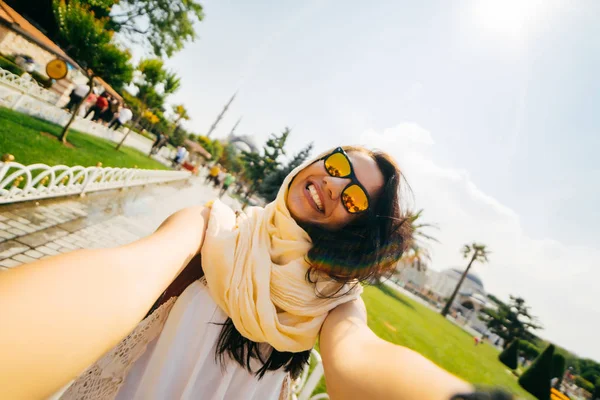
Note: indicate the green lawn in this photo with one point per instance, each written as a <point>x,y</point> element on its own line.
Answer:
<point>20,136</point>
<point>401,320</point>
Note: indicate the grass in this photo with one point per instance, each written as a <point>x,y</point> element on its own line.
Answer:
<point>20,136</point>
<point>400,320</point>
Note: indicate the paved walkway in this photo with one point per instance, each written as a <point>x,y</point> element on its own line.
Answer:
<point>30,232</point>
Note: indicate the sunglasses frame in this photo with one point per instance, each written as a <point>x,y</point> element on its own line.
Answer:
<point>352,176</point>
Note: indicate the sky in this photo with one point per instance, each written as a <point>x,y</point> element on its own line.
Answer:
<point>489,108</point>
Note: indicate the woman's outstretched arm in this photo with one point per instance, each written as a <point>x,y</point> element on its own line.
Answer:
<point>61,314</point>
<point>360,365</point>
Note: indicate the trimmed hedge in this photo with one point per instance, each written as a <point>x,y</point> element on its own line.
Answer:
<point>558,366</point>
<point>536,379</point>
<point>510,355</point>
<point>7,63</point>
<point>10,66</point>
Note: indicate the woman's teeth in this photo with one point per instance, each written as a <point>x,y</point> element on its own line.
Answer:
<point>315,196</point>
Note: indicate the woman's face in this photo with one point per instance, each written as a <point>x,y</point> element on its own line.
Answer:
<point>333,215</point>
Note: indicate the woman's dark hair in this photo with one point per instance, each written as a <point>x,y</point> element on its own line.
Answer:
<point>366,249</point>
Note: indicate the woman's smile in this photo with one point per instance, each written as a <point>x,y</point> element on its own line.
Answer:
<point>314,196</point>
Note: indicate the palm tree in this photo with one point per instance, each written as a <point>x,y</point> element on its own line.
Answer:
<point>477,252</point>
<point>418,254</point>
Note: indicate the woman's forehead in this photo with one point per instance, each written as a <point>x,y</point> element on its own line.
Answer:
<point>367,171</point>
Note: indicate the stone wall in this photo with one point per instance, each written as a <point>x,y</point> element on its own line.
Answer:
<point>12,43</point>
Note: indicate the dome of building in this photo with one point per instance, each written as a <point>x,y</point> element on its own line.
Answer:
<point>473,277</point>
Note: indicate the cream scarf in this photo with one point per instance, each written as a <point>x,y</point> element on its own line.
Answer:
<point>256,272</point>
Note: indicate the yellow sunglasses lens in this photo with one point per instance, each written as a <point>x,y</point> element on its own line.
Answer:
<point>337,165</point>
<point>355,199</point>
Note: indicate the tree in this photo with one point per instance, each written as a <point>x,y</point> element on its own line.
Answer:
<point>584,384</point>
<point>89,42</point>
<point>511,321</point>
<point>272,182</point>
<point>180,113</point>
<point>478,253</point>
<point>154,84</point>
<point>257,166</point>
<point>230,158</point>
<point>510,355</point>
<point>536,379</point>
<point>418,252</point>
<point>588,369</point>
<point>163,25</point>
<point>596,394</point>
<point>178,137</point>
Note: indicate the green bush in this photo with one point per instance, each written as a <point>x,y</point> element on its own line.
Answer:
<point>10,66</point>
<point>596,394</point>
<point>584,384</point>
<point>510,355</point>
<point>7,63</point>
<point>536,379</point>
<point>41,79</point>
<point>528,349</point>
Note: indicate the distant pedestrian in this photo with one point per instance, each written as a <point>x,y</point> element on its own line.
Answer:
<point>77,95</point>
<point>160,142</point>
<point>227,181</point>
<point>90,100</point>
<point>99,107</point>
<point>123,117</point>
<point>180,156</point>
<point>219,179</point>
<point>213,174</point>
<point>109,113</point>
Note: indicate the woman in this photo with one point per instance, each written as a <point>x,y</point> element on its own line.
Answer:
<point>270,279</point>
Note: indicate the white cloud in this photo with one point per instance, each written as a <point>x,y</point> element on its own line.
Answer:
<point>558,280</point>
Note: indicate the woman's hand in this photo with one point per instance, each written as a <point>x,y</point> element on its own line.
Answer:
<point>360,365</point>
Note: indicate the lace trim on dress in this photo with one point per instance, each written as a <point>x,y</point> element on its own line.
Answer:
<point>105,377</point>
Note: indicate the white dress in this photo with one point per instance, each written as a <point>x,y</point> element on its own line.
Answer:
<point>179,363</point>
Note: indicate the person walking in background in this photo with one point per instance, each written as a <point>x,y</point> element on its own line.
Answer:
<point>90,100</point>
<point>180,156</point>
<point>109,114</point>
<point>159,138</point>
<point>123,117</point>
<point>77,95</point>
<point>227,181</point>
<point>99,107</point>
<point>213,173</point>
<point>219,178</point>
<point>161,141</point>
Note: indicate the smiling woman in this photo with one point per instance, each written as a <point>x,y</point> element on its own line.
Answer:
<point>271,277</point>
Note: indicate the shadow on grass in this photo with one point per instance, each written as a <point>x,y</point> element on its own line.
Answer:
<point>392,293</point>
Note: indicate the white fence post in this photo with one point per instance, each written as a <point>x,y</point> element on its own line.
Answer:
<point>303,387</point>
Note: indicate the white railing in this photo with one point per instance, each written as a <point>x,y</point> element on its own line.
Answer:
<point>306,383</point>
<point>20,182</point>
<point>27,84</point>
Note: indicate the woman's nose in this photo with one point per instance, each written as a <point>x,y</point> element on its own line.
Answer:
<point>333,186</point>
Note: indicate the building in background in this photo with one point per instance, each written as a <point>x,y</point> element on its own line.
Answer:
<point>21,37</point>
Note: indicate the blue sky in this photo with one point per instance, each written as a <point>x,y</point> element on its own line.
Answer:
<point>490,108</point>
